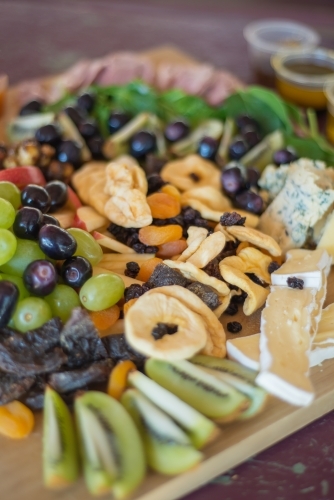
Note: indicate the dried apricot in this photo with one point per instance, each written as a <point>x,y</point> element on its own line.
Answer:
<point>118,378</point>
<point>147,268</point>
<point>128,304</point>
<point>16,420</point>
<point>172,190</point>
<point>172,248</point>
<point>106,318</point>
<point>156,235</point>
<point>163,205</point>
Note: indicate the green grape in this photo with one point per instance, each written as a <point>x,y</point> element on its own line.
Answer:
<point>62,300</point>
<point>31,313</point>
<point>18,282</point>
<point>101,292</point>
<point>88,247</point>
<point>11,193</point>
<point>8,245</point>
<point>7,214</point>
<point>27,251</point>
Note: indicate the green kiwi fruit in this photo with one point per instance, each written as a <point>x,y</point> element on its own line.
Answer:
<point>203,391</point>
<point>60,455</point>
<point>168,448</point>
<point>239,377</point>
<point>199,428</point>
<point>112,450</point>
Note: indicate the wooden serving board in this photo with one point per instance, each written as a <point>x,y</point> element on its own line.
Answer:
<point>21,461</point>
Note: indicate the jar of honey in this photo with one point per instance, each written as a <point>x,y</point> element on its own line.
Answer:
<point>301,77</point>
<point>329,92</point>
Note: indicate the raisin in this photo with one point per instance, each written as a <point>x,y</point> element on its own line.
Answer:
<point>232,219</point>
<point>232,309</point>
<point>154,182</point>
<point>194,177</point>
<point>294,282</point>
<point>234,327</point>
<point>162,329</point>
<point>256,279</point>
<point>238,299</point>
<point>134,291</point>
<point>273,266</point>
<point>132,269</point>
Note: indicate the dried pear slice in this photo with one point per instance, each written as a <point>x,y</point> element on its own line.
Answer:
<point>60,457</point>
<point>204,392</point>
<point>142,318</point>
<point>239,377</point>
<point>168,448</point>
<point>112,450</point>
<point>200,429</point>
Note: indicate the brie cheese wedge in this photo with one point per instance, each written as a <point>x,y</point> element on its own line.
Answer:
<point>285,343</point>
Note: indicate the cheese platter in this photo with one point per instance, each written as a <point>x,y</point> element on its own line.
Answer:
<point>238,440</point>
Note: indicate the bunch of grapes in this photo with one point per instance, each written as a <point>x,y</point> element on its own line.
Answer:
<point>46,271</point>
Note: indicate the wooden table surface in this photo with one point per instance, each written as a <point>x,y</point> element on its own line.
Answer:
<point>39,37</point>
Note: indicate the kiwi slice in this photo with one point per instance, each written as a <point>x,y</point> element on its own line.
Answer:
<point>203,391</point>
<point>111,447</point>
<point>239,377</point>
<point>199,428</point>
<point>168,448</point>
<point>117,144</point>
<point>208,128</point>
<point>60,457</point>
<point>261,155</point>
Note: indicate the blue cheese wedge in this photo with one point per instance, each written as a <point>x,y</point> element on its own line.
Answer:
<point>285,343</point>
<point>307,195</point>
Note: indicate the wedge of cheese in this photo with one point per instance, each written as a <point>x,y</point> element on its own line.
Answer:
<point>327,237</point>
<point>285,343</point>
<point>306,196</point>
<point>246,350</point>
<point>312,266</point>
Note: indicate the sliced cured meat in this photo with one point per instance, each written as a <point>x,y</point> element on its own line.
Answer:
<point>12,387</point>
<point>123,67</point>
<point>80,340</point>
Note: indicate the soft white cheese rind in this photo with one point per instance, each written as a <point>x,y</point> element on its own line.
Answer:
<point>285,343</point>
<point>282,389</point>
<point>245,350</point>
<point>309,265</point>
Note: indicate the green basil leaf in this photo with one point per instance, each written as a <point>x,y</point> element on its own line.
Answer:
<point>273,101</point>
